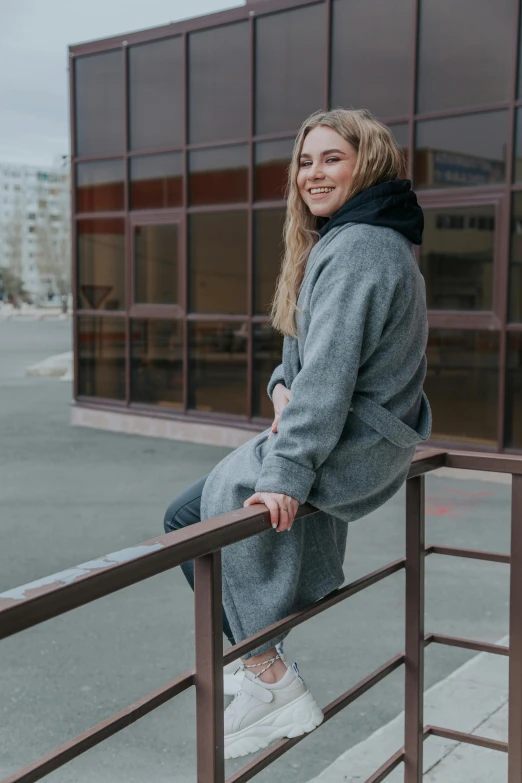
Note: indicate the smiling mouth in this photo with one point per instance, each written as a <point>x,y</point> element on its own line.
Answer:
<point>318,191</point>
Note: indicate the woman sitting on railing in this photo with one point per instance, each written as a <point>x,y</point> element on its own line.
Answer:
<point>348,400</point>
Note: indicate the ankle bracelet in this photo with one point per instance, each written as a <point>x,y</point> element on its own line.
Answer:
<point>270,663</point>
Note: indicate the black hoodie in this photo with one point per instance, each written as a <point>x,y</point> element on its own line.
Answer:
<point>388,204</point>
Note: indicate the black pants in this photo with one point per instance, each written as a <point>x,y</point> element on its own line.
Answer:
<point>184,511</point>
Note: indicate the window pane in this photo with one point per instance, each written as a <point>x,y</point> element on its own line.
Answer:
<point>156,181</point>
<point>268,251</point>
<point>218,176</point>
<point>517,173</point>
<point>268,353</point>
<point>218,262</point>
<point>272,159</point>
<point>515,269</point>
<point>353,28</point>
<point>290,67</point>
<point>514,391</point>
<point>462,385</point>
<point>156,262</point>
<point>465,53</point>
<point>99,186</point>
<point>218,367</point>
<point>101,357</point>
<point>157,362</point>
<point>99,93</point>
<point>456,257</point>
<point>219,83</point>
<point>462,151</point>
<point>101,264</point>
<point>156,94</point>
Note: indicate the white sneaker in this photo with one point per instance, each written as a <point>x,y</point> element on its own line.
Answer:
<point>262,713</point>
<point>233,673</point>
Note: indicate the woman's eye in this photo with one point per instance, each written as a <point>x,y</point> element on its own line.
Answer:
<point>333,160</point>
<point>304,163</point>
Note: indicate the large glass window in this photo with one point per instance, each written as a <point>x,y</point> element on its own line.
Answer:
<point>218,248</point>
<point>218,367</point>
<point>218,175</point>
<point>515,271</point>
<point>513,429</point>
<point>101,264</point>
<point>219,83</point>
<point>99,186</point>
<point>101,357</point>
<point>268,251</point>
<point>354,26</point>
<point>456,257</point>
<point>99,102</point>
<point>157,362</point>
<point>465,53</point>
<point>462,385</point>
<point>268,352</point>
<point>156,261</point>
<point>156,94</point>
<point>517,168</point>
<point>156,181</point>
<point>462,151</point>
<point>272,159</point>
<point>290,67</point>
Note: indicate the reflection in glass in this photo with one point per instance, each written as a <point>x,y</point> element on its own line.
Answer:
<point>157,362</point>
<point>272,159</point>
<point>218,175</point>
<point>156,181</point>
<point>156,94</point>
<point>218,367</point>
<point>101,264</point>
<point>217,256</point>
<point>99,94</point>
<point>101,357</point>
<point>462,385</point>
<point>99,186</point>
<point>268,353</point>
<point>456,257</point>
<point>268,251</point>
<point>156,264</point>
<point>353,27</point>
<point>290,67</point>
<point>462,151</point>
<point>219,89</point>
<point>465,53</point>
<point>514,391</point>
<point>515,267</point>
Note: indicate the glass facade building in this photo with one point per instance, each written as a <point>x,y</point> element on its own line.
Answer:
<point>181,136</point>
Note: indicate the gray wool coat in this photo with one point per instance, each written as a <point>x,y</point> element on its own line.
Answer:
<point>356,371</point>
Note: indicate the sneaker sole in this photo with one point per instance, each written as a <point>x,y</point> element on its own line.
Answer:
<point>292,720</point>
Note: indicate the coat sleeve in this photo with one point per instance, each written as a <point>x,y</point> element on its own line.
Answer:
<point>277,377</point>
<point>349,306</point>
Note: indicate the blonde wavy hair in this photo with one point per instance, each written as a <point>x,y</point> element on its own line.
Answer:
<point>379,159</point>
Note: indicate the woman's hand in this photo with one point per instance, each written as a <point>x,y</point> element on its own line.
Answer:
<point>283,508</point>
<point>280,397</point>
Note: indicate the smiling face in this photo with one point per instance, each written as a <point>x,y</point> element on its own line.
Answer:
<point>326,167</point>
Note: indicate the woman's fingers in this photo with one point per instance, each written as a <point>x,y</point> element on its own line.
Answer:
<point>269,502</point>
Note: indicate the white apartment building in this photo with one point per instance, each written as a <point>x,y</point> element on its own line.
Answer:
<point>35,226</point>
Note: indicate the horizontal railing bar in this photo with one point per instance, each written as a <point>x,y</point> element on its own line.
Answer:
<point>426,461</point>
<point>102,731</point>
<point>473,554</point>
<point>292,620</point>
<point>495,463</point>
<point>387,768</point>
<point>269,756</point>
<point>466,644</point>
<point>469,739</point>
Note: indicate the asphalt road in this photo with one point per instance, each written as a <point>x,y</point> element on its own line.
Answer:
<point>71,494</point>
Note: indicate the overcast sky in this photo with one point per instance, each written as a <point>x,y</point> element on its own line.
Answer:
<point>34,35</point>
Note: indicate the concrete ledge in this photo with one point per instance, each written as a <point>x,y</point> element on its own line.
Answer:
<point>138,424</point>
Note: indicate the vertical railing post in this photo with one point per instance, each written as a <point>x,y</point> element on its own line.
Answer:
<point>209,669</point>
<point>515,637</point>
<point>414,677</point>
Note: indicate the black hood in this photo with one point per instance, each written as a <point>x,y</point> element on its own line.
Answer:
<point>389,204</point>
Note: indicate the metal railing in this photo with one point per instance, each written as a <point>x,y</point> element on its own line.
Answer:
<point>34,603</point>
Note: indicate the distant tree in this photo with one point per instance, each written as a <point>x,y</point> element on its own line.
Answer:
<point>11,286</point>
<point>12,266</point>
<point>54,252</point>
